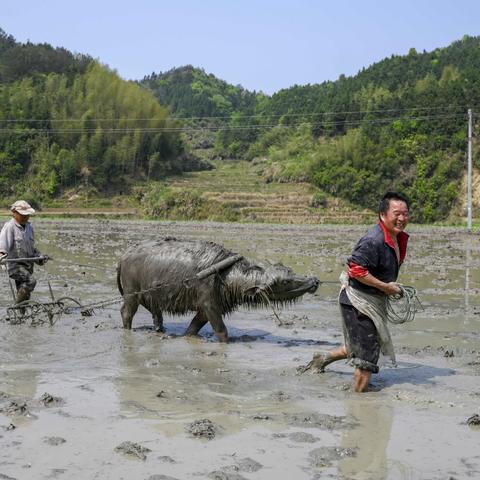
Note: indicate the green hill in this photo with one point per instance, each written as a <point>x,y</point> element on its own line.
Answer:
<point>71,127</point>
<point>190,92</point>
<point>241,191</point>
<point>68,123</point>
<point>206,105</point>
<point>20,60</point>
<point>398,124</point>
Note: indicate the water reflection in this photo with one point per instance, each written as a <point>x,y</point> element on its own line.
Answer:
<point>165,378</point>
<point>370,438</point>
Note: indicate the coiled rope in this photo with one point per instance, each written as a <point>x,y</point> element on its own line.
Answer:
<point>402,307</point>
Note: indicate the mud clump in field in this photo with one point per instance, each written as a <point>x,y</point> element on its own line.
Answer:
<point>280,396</point>
<point>48,400</point>
<point>161,477</point>
<point>133,450</point>
<point>248,465</point>
<point>9,427</point>
<point>222,475</point>
<point>474,421</point>
<point>263,416</point>
<point>16,409</point>
<point>302,437</point>
<point>4,396</point>
<point>319,420</point>
<point>326,456</point>
<point>6,477</point>
<point>242,465</point>
<point>204,428</point>
<point>54,441</point>
<point>166,459</point>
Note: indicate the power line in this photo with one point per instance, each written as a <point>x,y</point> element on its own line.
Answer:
<point>213,128</point>
<point>333,112</point>
<point>231,117</point>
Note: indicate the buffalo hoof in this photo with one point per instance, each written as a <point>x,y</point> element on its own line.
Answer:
<point>222,337</point>
<point>194,338</point>
<point>192,334</point>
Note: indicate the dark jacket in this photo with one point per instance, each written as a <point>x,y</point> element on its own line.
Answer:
<point>375,254</point>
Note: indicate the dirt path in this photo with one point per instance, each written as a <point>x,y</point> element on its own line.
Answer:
<point>86,212</point>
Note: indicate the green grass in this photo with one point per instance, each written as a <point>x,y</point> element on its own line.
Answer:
<point>242,186</point>
<point>232,191</point>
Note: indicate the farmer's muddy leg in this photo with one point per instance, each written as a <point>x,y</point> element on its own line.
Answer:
<point>321,360</point>
<point>196,325</point>
<point>25,284</point>
<point>128,310</point>
<point>361,379</point>
<point>22,295</point>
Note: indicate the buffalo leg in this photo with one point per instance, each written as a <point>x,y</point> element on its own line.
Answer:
<point>128,310</point>
<point>158,321</point>
<point>216,321</point>
<point>196,324</point>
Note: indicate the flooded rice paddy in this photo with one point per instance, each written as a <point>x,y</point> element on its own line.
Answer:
<point>84,399</point>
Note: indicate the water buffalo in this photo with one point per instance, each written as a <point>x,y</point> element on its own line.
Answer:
<point>163,277</point>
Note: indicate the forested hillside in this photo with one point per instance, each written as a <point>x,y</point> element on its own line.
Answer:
<point>67,121</point>
<point>190,92</point>
<point>207,105</point>
<point>69,124</point>
<point>400,123</point>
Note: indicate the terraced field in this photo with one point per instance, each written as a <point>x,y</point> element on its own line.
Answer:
<point>241,186</point>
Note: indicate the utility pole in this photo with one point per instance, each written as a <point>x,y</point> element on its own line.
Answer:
<point>469,173</point>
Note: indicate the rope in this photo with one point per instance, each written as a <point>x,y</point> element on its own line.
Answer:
<point>87,309</point>
<point>401,308</point>
<point>30,309</point>
<point>57,307</point>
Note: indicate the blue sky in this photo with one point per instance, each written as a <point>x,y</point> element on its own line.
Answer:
<point>263,45</point>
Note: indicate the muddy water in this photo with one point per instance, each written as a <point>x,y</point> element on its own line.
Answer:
<point>106,386</point>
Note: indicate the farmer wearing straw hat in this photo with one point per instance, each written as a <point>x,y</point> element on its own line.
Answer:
<point>17,240</point>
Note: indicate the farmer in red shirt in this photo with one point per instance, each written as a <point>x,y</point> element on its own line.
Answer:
<point>372,273</point>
